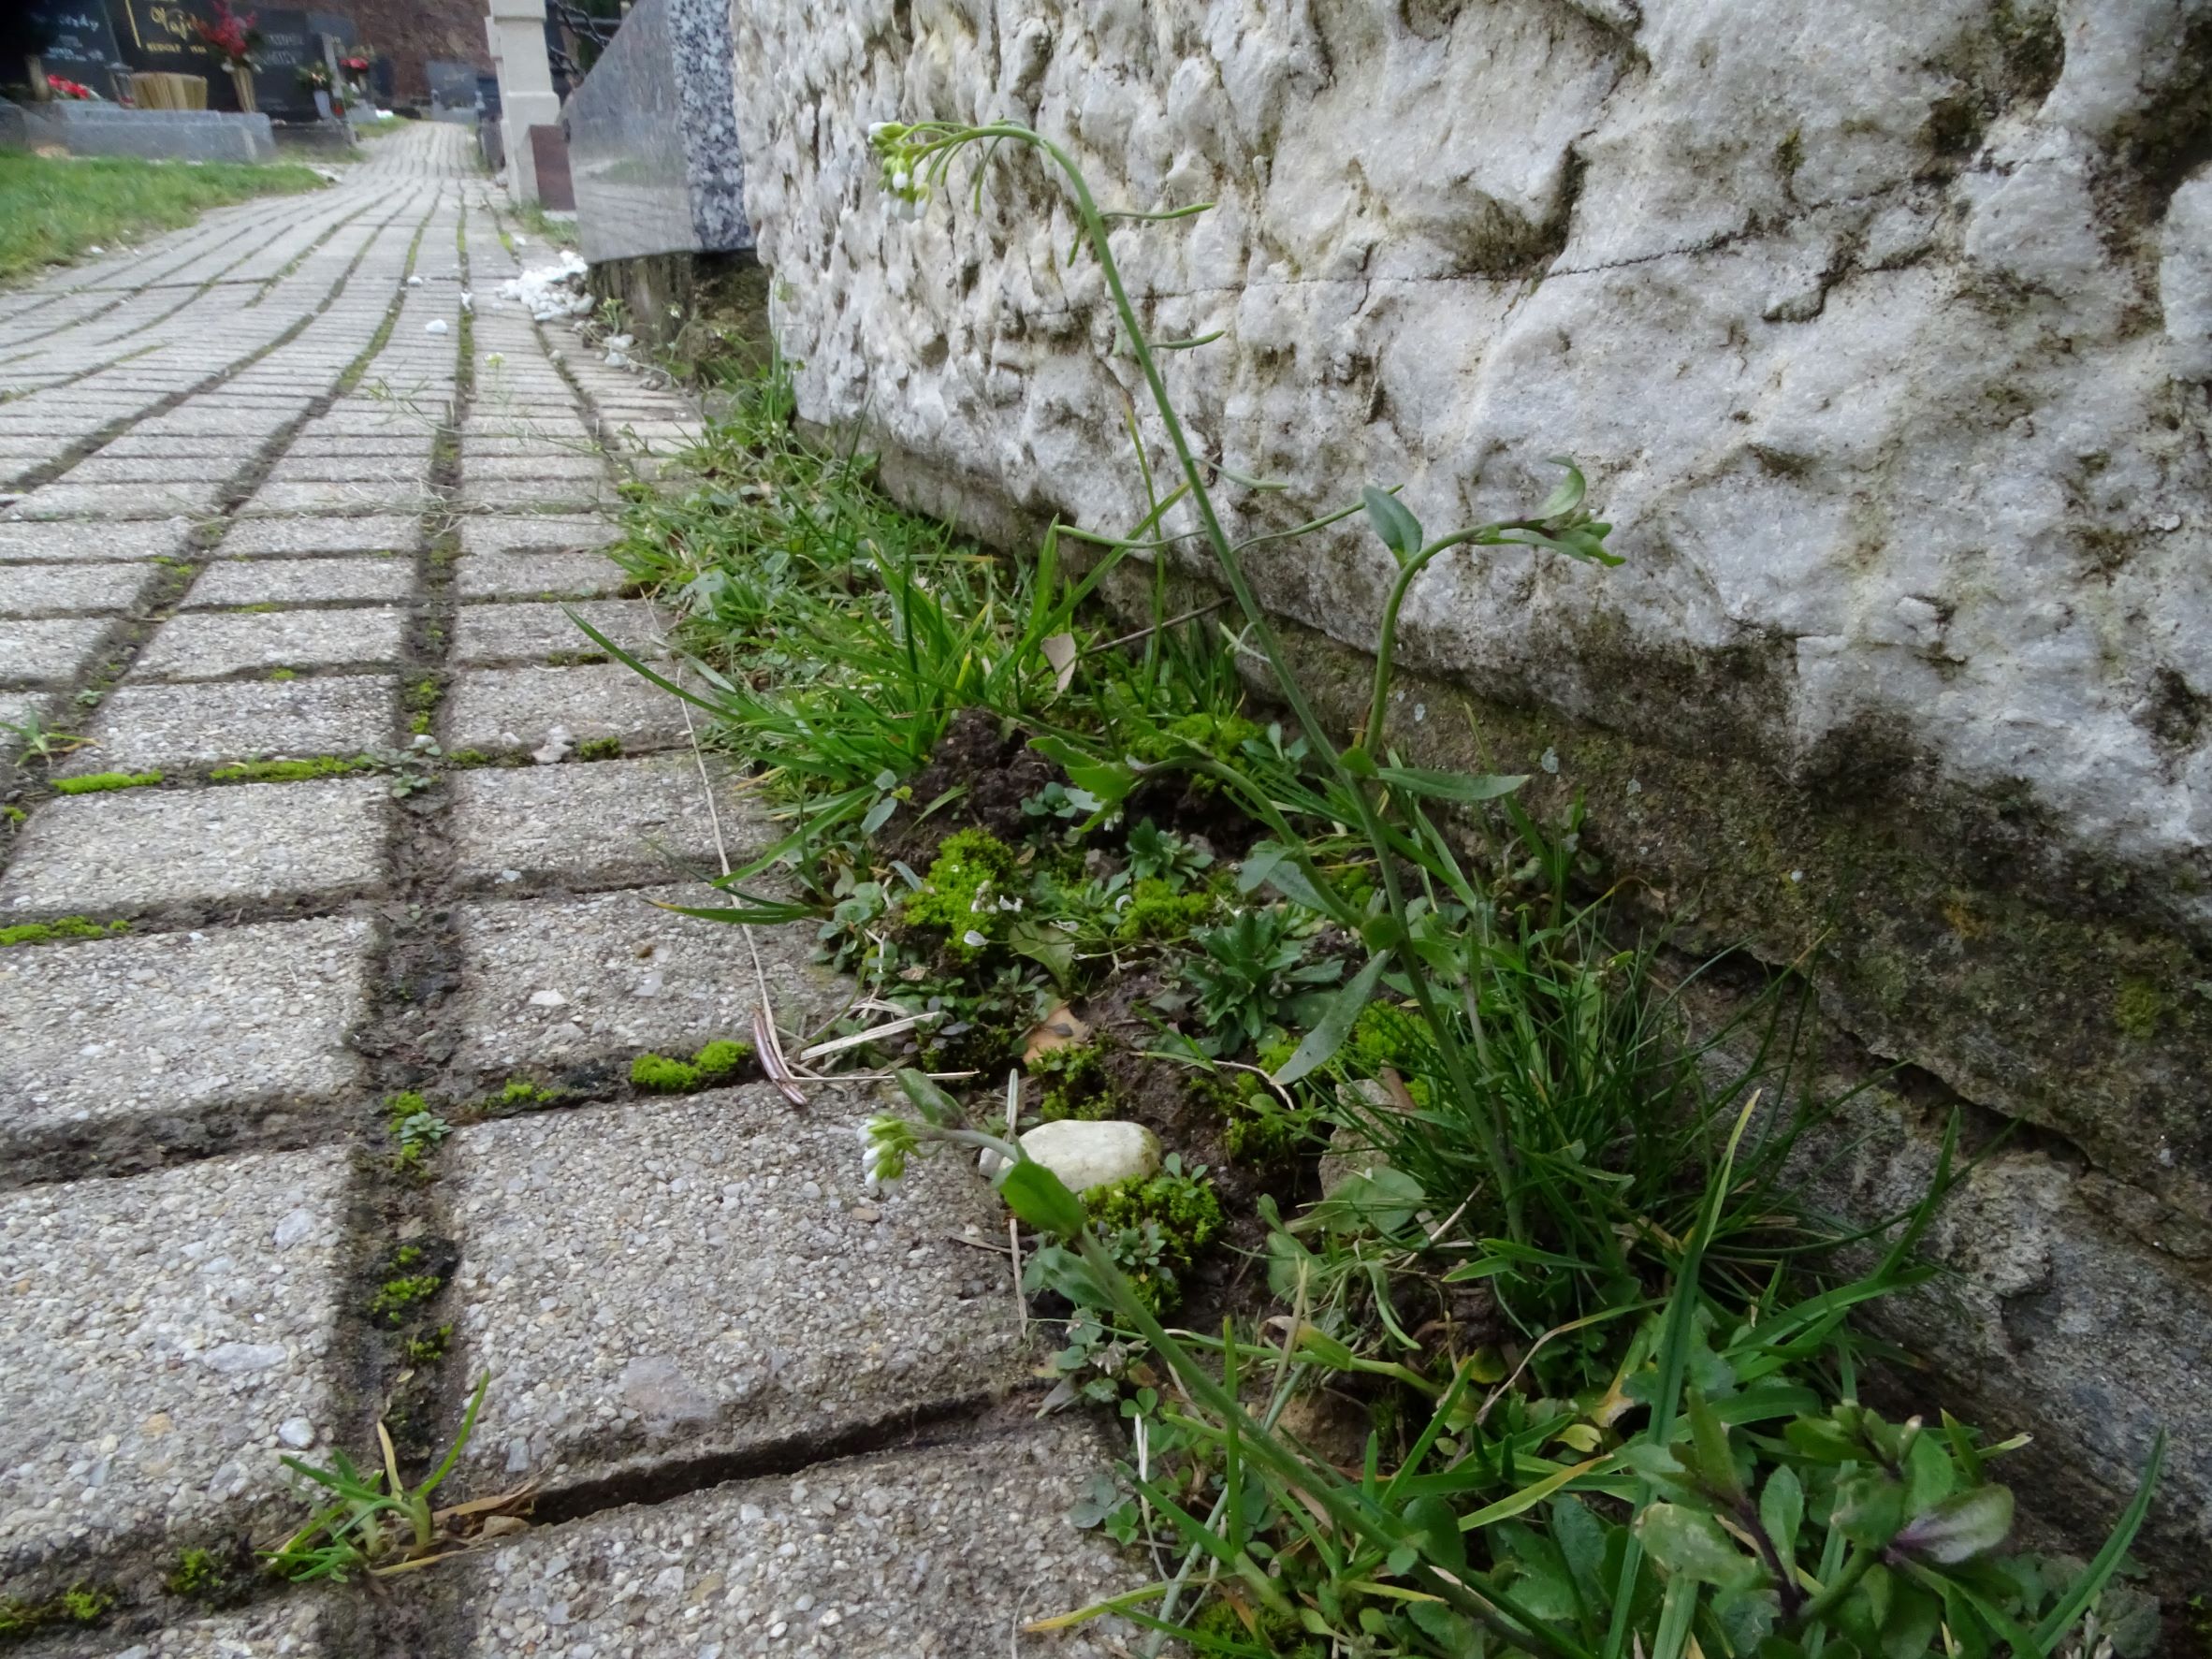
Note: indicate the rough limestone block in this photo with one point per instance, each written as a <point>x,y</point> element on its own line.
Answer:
<point>166,538</point>
<point>172,727</point>
<point>81,590</point>
<point>52,651</point>
<point>302,581</point>
<point>603,824</point>
<point>500,711</point>
<point>203,645</point>
<point>560,983</point>
<point>290,1628</point>
<point>168,1335</point>
<point>131,1028</point>
<point>936,1554</point>
<point>125,851</point>
<point>685,1302</point>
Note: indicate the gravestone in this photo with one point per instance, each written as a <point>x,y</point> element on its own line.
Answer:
<point>158,34</point>
<point>288,43</point>
<point>84,47</point>
<point>453,90</point>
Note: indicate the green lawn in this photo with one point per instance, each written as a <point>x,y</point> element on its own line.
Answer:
<point>52,209</point>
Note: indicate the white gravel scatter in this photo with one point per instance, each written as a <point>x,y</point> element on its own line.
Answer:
<point>503,709</point>
<point>935,1554</point>
<point>129,849</point>
<point>161,1328</point>
<point>208,644</point>
<point>708,1274</point>
<point>200,725</point>
<point>598,824</point>
<point>134,1028</point>
<point>290,1629</point>
<point>629,974</point>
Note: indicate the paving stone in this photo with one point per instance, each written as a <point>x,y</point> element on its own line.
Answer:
<point>601,824</point>
<point>312,444</point>
<point>500,711</point>
<point>208,645</point>
<point>537,495</point>
<point>519,633</point>
<point>934,1554</point>
<point>291,1628</point>
<point>105,467</point>
<point>169,538</point>
<point>176,727</point>
<point>373,534</point>
<point>337,497</point>
<point>476,469</point>
<point>160,1331</point>
<point>494,440</point>
<point>412,468</point>
<point>217,447</point>
<point>550,531</point>
<point>125,851</point>
<point>52,651</point>
<point>137,1028</point>
<point>684,1302</point>
<point>197,418</point>
<point>538,575</point>
<point>630,976</point>
<point>302,581</point>
<point>59,589</point>
<point>120,500</point>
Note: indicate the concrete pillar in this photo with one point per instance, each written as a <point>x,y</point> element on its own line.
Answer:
<point>516,32</point>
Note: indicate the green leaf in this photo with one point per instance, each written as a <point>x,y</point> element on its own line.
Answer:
<point>932,1102</point>
<point>1870,1510</point>
<point>1320,1044</point>
<point>1270,865</point>
<point>1044,945</point>
<point>1959,1528</point>
<point>1400,531</point>
<point>1435,1527</point>
<point>1930,1474</point>
<point>1042,1199</point>
<point>2084,1590</point>
<point>1582,1540</point>
<point>1690,1544</point>
<point>1708,1440</point>
<point>1566,495</point>
<point>1466,787</point>
<point>1781,1510</point>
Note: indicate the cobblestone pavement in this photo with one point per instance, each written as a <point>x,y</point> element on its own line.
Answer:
<point>283,491</point>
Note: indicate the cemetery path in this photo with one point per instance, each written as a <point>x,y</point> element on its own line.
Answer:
<point>301,511</point>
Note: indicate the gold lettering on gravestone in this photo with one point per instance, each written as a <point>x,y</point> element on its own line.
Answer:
<point>164,31</point>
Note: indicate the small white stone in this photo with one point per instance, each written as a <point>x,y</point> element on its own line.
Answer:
<point>1087,1155</point>
<point>436,326</point>
<point>548,999</point>
<point>297,1432</point>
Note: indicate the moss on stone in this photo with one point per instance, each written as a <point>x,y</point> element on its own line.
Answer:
<point>42,933</point>
<point>600,749</point>
<point>2138,1007</point>
<point>95,782</point>
<point>724,1057</point>
<point>285,771</point>
<point>397,1297</point>
<point>661,1075</point>
<point>1156,912</point>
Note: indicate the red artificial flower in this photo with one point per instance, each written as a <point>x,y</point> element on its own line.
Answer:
<point>230,35</point>
<point>357,65</point>
<point>68,89</point>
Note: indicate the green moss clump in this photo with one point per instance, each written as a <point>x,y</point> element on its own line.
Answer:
<point>428,1350</point>
<point>1222,735</point>
<point>420,725</point>
<point>974,870</point>
<point>80,1604</point>
<point>396,1296</point>
<point>281,675</point>
<point>14,814</point>
<point>519,1092</point>
<point>41,933</point>
<point>1156,912</point>
<point>1256,1127</point>
<point>417,1129</point>
<point>93,782</point>
<point>422,696</point>
<point>1074,1084</point>
<point>2139,1008</point>
<point>205,1576</point>
<point>285,771</point>
<point>1157,1227</point>
<point>469,757</point>
<point>600,749</point>
<point>661,1075</point>
<point>723,1057</point>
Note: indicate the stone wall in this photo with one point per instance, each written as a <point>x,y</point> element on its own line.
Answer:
<point>1884,334</point>
<point>413,31</point>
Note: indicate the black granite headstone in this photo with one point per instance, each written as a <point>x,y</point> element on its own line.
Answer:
<point>159,36</point>
<point>288,44</point>
<point>84,48</point>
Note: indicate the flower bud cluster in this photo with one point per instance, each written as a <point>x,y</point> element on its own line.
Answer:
<point>902,154</point>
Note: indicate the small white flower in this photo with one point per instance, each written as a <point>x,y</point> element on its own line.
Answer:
<point>973,940</point>
<point>1420,713</point>
<point>1010,904</point>
<point>877,130</point>
<point>900,180</point>
<point>495,358</point>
